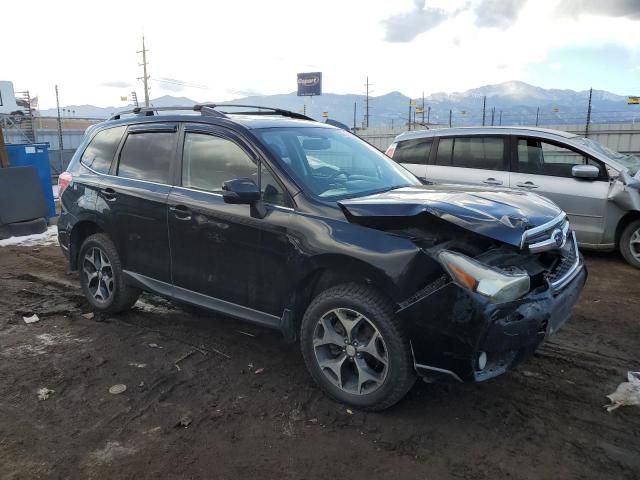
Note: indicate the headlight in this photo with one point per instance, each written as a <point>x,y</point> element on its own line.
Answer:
<point>497,286</point>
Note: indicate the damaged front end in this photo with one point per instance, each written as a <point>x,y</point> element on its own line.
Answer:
<point>489,303</point>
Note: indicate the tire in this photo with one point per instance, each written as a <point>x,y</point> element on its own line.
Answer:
<point>375,365</point>
<point>630,243</point>
<point>106,292</point>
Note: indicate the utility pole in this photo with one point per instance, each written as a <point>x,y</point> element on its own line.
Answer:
<point>493,114</point>
<point>145,77</point>
<point>450,117</point>
<point>537,115</point>
<point>423,107</point>
<point>366,104</point>
<point>355,106</point>
<point>428,113</point>
<point>392,124</point>
<point>500,117</point>
<point>484,109</point>
<point>60,146</point>
<point>409,122</point>
<point>586,130</point>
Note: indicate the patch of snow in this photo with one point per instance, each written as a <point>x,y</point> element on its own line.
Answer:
<point>50,237</point>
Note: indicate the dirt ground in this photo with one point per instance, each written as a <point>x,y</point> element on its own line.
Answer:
<point>210,397</point>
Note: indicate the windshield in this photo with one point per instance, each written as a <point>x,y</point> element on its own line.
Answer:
<point>632,162</point>
<point>333,164</point>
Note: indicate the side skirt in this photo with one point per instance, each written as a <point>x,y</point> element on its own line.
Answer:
<point>207,302</point>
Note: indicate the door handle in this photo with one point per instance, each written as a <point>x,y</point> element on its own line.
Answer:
<point>109,194</point>
<point>527,184</point>
<point>180,212</point>
<point>492,181</point>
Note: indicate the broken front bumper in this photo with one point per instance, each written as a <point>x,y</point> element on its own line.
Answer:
<point>458,334</point>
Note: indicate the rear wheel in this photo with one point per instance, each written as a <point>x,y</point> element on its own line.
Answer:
<point>354,349</point>
<point>630,243</point>
<point>101,276</point>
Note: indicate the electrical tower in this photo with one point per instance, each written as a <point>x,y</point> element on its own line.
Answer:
<point>145,76</point>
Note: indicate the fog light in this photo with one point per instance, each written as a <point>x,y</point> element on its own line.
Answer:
<point>482,360</point>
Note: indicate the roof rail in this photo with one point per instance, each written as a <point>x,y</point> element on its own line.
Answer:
<point>149,111</point>
<point>211,109</point>
<point>261,110</point>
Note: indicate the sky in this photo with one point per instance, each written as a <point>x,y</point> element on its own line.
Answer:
<point>227,49</point>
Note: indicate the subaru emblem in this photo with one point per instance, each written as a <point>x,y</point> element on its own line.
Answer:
<point>558,237</point>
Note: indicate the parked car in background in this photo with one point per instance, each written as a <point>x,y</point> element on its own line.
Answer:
<point>597,187</point>
<point>272,218</point>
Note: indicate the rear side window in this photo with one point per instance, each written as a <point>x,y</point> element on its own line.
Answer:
<point>209,161</point>
<point>416,150</point>
<point>147,156</point>
<point>102,148</point>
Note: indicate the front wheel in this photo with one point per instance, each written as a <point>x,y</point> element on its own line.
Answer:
<point>630,243</point>
<point>101,276</point>
<point>354,349</point>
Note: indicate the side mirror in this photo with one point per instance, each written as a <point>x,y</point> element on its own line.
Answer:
<point>588,172</point>
<point>240,191</point>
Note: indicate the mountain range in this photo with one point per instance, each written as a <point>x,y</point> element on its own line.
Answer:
<point>513,103</point>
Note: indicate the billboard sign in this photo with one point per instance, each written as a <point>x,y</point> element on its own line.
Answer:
<point>309,84</point>
<point>633,101</point>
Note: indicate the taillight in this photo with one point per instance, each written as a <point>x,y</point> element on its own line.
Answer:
<point>64,180</point>
<point>391,150</point>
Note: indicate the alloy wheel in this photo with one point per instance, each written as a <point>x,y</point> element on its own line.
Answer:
<point>350,351</point>
<point>634,244</point>
<point>98,274</point>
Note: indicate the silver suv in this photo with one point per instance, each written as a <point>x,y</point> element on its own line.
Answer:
<point>597,187</point>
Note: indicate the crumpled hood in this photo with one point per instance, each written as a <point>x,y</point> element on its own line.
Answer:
<point>500,214</point>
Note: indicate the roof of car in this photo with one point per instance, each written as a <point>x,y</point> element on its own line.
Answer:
<point>514,130</point>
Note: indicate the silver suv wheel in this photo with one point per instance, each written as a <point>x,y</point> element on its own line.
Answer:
<point>98,273</point>
<point>350,351</point>
<point>634,244</point>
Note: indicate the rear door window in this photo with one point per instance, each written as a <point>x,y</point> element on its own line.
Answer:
<point>100,152</point>
<point>445,147</point>
<point>147,156</point>
<point>485,153</point>
<point>416,151</point>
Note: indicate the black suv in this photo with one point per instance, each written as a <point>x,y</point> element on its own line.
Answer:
<point>268,216</point>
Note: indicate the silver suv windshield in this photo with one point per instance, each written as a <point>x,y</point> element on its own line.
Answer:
<point>632,162</point>
<point>333,164</point>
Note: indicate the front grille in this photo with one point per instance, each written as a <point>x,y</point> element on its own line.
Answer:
<point>565,264</point>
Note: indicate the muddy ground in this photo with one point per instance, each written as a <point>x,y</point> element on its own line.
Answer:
<point>208,397</point>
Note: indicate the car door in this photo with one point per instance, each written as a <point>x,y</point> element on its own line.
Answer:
<point>136,194</point>
<point>544,167</point>
<point>475,160</point>
<point>413,154</point>
<point>226,251</point>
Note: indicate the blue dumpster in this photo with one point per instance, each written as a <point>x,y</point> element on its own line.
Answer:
<point>36,155</point>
